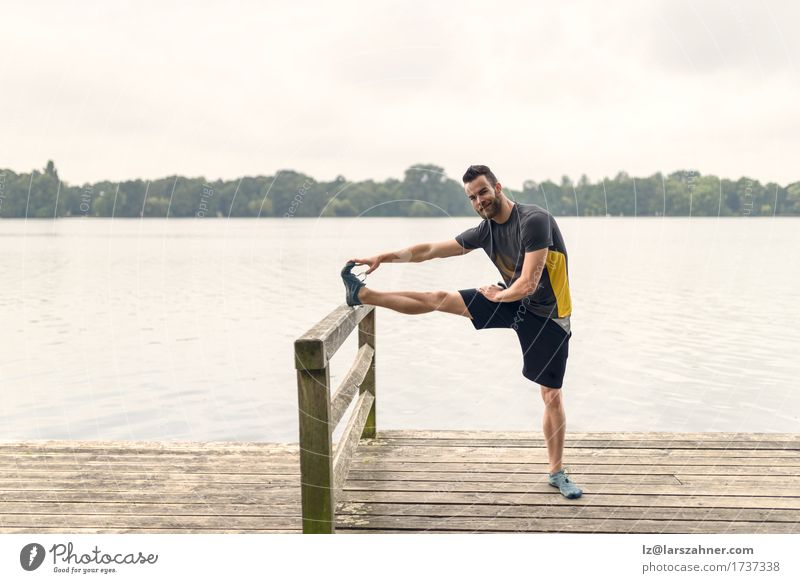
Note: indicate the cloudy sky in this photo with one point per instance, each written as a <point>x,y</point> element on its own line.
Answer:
<point>118,90</point>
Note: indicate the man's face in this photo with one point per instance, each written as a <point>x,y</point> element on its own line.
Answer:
<point>484,199</point>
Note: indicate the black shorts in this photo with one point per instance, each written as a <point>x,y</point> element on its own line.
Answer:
<point>545,344</point>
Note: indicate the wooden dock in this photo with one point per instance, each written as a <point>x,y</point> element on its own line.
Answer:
<point>399,481</point>
<point>410,481</point>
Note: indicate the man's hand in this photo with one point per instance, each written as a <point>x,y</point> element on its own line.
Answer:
<point>492,292</point>
<point>373,262</point>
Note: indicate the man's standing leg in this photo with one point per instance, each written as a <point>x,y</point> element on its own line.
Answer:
<point>555,426</point>
<point>555,423</point>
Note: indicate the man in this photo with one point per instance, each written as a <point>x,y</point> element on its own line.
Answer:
<point>525,243</point>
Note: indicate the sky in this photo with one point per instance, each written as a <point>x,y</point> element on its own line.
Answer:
<point>536,90</point>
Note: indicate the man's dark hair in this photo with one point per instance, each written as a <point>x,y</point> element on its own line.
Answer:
<point>480,170</point>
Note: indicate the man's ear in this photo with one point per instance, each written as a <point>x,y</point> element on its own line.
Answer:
<point>498,188</point>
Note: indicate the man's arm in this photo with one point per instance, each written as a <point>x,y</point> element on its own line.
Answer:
<point>528,281</point>
<point>448,248</point>
<point>416,254</point>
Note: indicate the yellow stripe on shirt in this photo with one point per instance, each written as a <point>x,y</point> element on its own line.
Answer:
<point>557,271</point>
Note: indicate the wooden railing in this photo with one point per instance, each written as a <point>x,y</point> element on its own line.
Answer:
<point>322,470</point>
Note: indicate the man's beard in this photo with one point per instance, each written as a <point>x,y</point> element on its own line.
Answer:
<point>492,209</point>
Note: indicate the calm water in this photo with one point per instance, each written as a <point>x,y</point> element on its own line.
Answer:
<point>183,329</point>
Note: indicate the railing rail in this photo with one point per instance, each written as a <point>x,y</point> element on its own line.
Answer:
<point>323,471</point>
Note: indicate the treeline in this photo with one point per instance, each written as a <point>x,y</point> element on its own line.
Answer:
<point>424,191</point>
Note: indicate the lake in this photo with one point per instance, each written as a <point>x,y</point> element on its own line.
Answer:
<point>183,328</point>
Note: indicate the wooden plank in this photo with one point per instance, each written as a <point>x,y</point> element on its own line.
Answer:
<point>316,469</point>
<point>87,490</point>
<point>461,451</point>
<point>518,478</point>
<point>573,460</point>
<point>154,457</point>
<point>221,461</point>
<point>165,460</point>
<point>145,447</point>
<point>596,467</point>
<point>662,448</point>
<point>215,466</point>
<point>351,383</point>
<point>349,441</point>
<point>76,530</point>
<point>78,477</point>
<point>358,531</point>
<point>153,508</point>
<point>568,512</point>
<point>509,455</point>
<point>766,482</point>
<point>602,435</point>
<point>136,521</point>
<point>48,461</point>
<point>163,486</point>
<point>367,337</point>
<point>607,525</point>
<point>314,349</point>
<point>517,453</point>
<point>232,496</point>
<point>676,444</point>
<point>199,475</point>
<point>707,489</point>
<point>673,501</point>
<point>224,465</point>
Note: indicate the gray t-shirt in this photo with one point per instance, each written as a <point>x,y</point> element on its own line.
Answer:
<point>529,228</point>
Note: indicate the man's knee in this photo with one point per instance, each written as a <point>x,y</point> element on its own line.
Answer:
<point>551,397</point>
<point>450,302</point>
<point>438,297</point>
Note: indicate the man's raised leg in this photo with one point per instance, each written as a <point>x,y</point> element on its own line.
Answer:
<point>411,302</point>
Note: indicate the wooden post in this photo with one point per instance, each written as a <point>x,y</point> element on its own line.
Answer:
<point>320,473</point>
<point>316,455</point>
<point>366,335</point>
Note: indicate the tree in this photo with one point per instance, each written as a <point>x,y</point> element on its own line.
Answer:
<point>50,170</point>
<point>425,190</point>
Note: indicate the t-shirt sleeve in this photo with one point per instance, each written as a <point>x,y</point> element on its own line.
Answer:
<point>536,232</point>
<point>471,238</point>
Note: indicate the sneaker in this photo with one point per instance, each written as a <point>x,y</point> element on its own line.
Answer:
<point>352,284</point>
<point>562,481</point>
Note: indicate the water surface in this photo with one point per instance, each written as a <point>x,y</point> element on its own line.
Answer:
<point>183,329</point>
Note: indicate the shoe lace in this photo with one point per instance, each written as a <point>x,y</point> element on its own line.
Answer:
<point>364,274</point>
